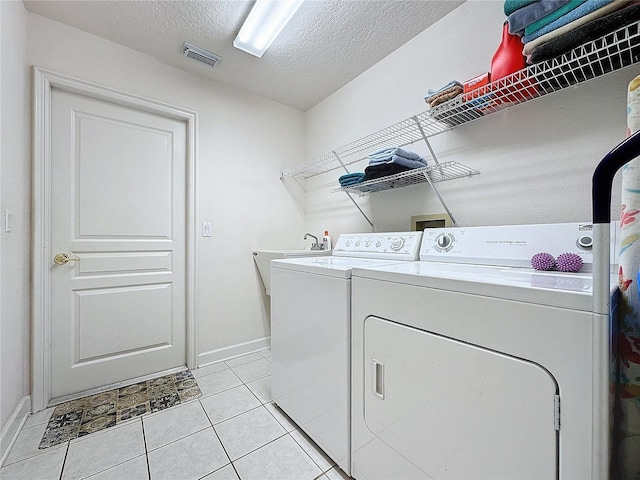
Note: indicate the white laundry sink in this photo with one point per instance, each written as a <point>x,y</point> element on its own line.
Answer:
<point>263,260</point>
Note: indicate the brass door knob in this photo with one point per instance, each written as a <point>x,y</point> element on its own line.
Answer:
<point>64,258</point>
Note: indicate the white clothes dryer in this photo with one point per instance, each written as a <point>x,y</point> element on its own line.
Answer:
<point>311,333</point>
<point>476,366</point>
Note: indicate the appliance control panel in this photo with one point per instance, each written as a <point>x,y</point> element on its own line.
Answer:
<point>511,245</point>
<point>389,245</point>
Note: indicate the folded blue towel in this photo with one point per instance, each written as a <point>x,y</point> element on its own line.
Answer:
<point>408,154</point>
<point>552,16</point>
<point>351,178</point>
<point>400,160</point>
<point>584,9</point>
<point>384,153</point>
<point>525,16</point>
<point>406,162</point>
<point>511,6</point>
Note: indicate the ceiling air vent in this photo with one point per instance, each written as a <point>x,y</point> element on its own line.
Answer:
<point>200,55</point>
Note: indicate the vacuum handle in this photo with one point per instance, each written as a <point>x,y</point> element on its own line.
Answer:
<point>604,173</point>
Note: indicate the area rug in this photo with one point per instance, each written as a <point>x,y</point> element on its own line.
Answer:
<point>86,415</point>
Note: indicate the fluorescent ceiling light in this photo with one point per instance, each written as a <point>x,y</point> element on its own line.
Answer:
<point>265,21</point>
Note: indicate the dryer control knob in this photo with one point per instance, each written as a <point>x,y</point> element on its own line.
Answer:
<point>585,242</point>
<point>444,242</point>
<point>397,243</point>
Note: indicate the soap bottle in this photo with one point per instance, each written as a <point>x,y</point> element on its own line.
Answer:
<point>326,241</point>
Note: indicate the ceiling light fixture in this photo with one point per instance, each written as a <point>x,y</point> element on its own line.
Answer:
<point>265,21</point>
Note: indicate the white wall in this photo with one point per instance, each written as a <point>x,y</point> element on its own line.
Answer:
<point>536,160</point>
<point>243,141</point>
<point>15,195</point>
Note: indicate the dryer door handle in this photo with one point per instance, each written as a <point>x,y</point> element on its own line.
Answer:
<point>377,371</point>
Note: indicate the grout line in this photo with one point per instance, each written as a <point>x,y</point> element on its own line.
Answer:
<point>181,438</point>
<point>64,462</point>
<point>222,444</point>
<point>313,445</point>
<point>146,450</point>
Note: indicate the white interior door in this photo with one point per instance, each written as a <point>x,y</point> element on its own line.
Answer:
<point>118,213</point>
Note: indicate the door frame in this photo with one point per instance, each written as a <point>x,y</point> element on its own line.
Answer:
<point>43,82</point>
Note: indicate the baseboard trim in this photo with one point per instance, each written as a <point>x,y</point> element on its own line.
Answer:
<point>13,427</point>
<point>213,356</point>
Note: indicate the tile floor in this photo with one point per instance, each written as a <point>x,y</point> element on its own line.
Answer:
<point>232,432</point>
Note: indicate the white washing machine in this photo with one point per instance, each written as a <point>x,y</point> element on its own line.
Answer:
<point>311,333</point>
<point>467,370</point>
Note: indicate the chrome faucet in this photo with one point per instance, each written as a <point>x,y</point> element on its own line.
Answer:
<point>316,245</point>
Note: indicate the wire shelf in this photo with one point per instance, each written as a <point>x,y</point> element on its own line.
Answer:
<point>613,51</point>
<point>436,173</point>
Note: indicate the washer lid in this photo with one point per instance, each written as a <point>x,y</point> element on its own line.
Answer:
<point>566,290</point>
<point>332,266</point>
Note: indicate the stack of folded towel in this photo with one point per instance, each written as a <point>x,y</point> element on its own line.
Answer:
<point>555,24</point>
<point>391,160</point>
<point>351,179</point>
<point>447,92</point>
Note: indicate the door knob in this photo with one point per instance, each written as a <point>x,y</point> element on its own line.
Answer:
<point>64,258</point>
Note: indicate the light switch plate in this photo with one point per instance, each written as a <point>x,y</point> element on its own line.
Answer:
<point>206,229</point>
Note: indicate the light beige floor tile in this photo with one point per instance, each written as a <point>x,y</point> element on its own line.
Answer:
<point>46,466</point>
<point>336,474</point>
<point>279,460</point>
<point>135,469</point>
<point>100,451</point>
<point>266,353</point>
<point>261,388</point>
<point>227,404</point>
<point>244,433</point>
<point>174,423</point>
<point>281,417</point>
<point>314,451</point>
<point>39,418</point>
<point>189,458</point>
<point>209,369</point>
<point>249,372</point>
<point>218,382</point>
<point>26,444</point>
<point>225,473</point>
<point>242,359</point>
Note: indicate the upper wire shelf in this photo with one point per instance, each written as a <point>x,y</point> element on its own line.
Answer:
<point>613,51</point>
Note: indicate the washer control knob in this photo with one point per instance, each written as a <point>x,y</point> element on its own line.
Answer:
<point>378,243</point>
<point>397,243</point>
<point>444,242</point>
<point>585,242</point>
<point>347,243</point>
<point>368,243</point>
<point>358,243</point>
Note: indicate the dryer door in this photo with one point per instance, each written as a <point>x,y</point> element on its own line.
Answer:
<point>455,410</point>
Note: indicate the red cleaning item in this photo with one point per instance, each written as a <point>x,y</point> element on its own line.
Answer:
<point>508,58</point>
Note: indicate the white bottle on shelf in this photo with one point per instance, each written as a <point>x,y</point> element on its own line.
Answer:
<point>326,241</point>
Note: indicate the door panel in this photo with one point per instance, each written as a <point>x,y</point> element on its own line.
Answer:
<point>118,199</point>
<point>454,410</point>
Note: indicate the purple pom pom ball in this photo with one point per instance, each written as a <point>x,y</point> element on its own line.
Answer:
<point>569,262</point>
<point>543,261</point>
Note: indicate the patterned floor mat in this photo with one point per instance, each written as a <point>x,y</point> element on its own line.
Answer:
<point>94,413</point>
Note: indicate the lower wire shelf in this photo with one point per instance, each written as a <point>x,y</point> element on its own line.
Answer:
<point>436,173</point>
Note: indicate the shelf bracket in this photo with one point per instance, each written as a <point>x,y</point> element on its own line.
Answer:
<point>349,195</point>
<point>426,174</point>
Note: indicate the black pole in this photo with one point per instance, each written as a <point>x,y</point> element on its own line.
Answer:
<point>604,173</point>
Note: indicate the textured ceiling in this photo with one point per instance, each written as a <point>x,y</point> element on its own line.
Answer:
<point>325,45</point>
